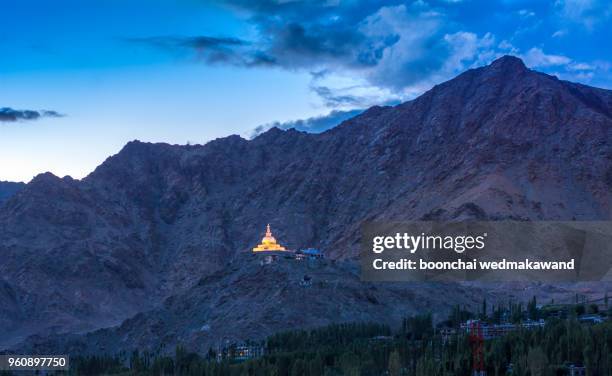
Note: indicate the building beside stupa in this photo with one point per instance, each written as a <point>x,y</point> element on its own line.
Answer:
<point>268,243</point>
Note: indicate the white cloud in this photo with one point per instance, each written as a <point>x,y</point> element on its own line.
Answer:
<point>535,58</point>
<point>559,33</point>
<point>580,67</point>
<point>507,47</point>
<point>565,67</point>
<point>586,12</point>
<point>468,48</point>
<point>526,13</point>
<point>422,56</point>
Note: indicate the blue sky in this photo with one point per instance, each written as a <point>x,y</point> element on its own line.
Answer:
<point>79,79</point>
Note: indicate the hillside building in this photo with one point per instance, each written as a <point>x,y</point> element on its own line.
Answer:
<point>268,243</point>
<point>309,253</point>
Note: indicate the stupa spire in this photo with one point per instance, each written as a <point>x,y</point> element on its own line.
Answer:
<point>268,243</point>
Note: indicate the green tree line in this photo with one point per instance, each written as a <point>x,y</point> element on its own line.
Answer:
<point>416,348</point>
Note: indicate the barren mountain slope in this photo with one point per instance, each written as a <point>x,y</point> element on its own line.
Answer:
<point>495,142</point>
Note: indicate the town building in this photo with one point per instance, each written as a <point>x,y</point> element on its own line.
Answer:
<point>591,319</point>
<point>240,352</point>
<point>489,331</point>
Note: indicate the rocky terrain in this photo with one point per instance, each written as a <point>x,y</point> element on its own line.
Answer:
<point>153,228</point>
<point>7,189</point>
<point>249,300</point>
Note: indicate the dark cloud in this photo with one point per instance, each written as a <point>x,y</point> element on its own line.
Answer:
<point>10,115</point>
<point>223,50</point>
<point>306,34</point>
<point>331,98</point>
<point>315,124</point>
<point>398,48</point>
<point>292,35</point>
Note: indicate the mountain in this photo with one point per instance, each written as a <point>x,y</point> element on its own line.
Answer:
<point>157,226</point>
<point>251,301</point>
<point>8,189</point>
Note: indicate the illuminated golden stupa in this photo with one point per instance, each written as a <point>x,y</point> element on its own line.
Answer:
<point>268,243</point>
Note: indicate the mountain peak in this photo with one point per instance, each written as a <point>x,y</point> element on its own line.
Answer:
<point>45,177</point>
<point>508,63</point>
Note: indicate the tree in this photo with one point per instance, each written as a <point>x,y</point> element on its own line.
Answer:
<point>418,327</point>
<point>316,365</point>
<point>298,368</point>
<point>484,309</point>
<point>532,309</point>
<point>349,363</point>
<point>497,357</point>
<point>395,365</point>
<point>537,361</point>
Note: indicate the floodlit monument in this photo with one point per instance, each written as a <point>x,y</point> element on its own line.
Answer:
<point>268,243</point>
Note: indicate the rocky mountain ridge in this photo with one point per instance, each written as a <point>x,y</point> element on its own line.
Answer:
<point>8,189</point>
<point>497,142</point>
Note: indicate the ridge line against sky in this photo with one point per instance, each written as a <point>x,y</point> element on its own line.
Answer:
<point>191,71</point>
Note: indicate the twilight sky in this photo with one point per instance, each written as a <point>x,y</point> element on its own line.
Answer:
<point>79,79</point>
